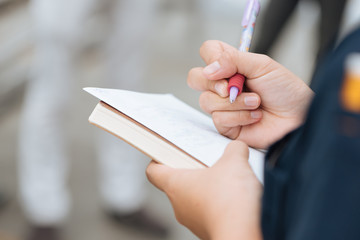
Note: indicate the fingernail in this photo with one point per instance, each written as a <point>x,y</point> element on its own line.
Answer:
<point>212,68</point>
<point>251,101</point>
<point>256,114</point>
<point>220,89</point>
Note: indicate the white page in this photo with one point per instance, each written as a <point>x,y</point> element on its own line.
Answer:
<point>186,127</point>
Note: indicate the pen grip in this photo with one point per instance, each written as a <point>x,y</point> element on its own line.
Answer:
<point>236,81</point>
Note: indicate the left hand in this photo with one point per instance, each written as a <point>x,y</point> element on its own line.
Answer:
<point>221,202</point>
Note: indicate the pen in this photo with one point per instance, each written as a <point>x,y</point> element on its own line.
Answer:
<point>252,9</point>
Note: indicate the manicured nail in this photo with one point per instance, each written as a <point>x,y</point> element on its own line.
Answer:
<point>256,114</point>
<point>212,68</point>
<point>251,101</point>
<point>221,89</point>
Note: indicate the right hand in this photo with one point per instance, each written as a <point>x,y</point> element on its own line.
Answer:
<point>284,97</point>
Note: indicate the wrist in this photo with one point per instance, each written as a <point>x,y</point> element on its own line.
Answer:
<point>236,227</point>
<point>236,234</point>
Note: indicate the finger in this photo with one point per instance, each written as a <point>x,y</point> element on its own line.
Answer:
<point>196,80</point>
<point>229,124</point>
<point>212,50</point>
<point>159,175</point>
<point>236,118</point>
<point>211,102</point>
<point>236,155</point>
<point>229,132</point>
<point>232,61</point>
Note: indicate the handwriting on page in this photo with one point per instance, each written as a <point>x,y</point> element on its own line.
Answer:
<point>192,132</point>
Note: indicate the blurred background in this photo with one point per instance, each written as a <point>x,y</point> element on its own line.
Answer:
<point>174,32</point>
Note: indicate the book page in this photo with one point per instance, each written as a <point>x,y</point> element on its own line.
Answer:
<point>184,126</point>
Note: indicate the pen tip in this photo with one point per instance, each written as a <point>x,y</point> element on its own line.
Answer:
<point>233,94</point>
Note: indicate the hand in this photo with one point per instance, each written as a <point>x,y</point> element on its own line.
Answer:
<point>221,202</point>
<point>275,103</point>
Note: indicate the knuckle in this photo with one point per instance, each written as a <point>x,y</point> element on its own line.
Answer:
<point>229,59</point>
<point>203,101</point>
<point>206,45</point>
<point>190,77</point>
<point>266,60</point>
<point>231,133</point>
<point>241,116</point>
<point>217,118</point>
<point>230,54</point>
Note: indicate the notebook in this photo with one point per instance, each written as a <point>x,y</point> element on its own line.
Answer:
<point>165,128</point>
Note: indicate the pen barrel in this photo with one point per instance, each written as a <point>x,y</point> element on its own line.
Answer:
<point>247,34</point>
<point>236,81</point>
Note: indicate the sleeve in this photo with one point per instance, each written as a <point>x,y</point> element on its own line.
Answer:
<point>312,177</point>
<point>323,201</point>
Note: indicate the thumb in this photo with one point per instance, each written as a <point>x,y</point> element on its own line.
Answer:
<point>235,155</point>
<point>159,175</point>
<point>232,61</point>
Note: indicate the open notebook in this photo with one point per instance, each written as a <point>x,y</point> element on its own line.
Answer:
<point>164,128</point>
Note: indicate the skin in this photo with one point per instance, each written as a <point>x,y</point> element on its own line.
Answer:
<point>282,97</point>
<point>214,205</point>
<point>223,202</point>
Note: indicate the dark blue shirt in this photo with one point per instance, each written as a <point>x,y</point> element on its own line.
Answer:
<point>312,175</point>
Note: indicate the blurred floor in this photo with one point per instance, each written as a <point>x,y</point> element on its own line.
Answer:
<point>177,36</point>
